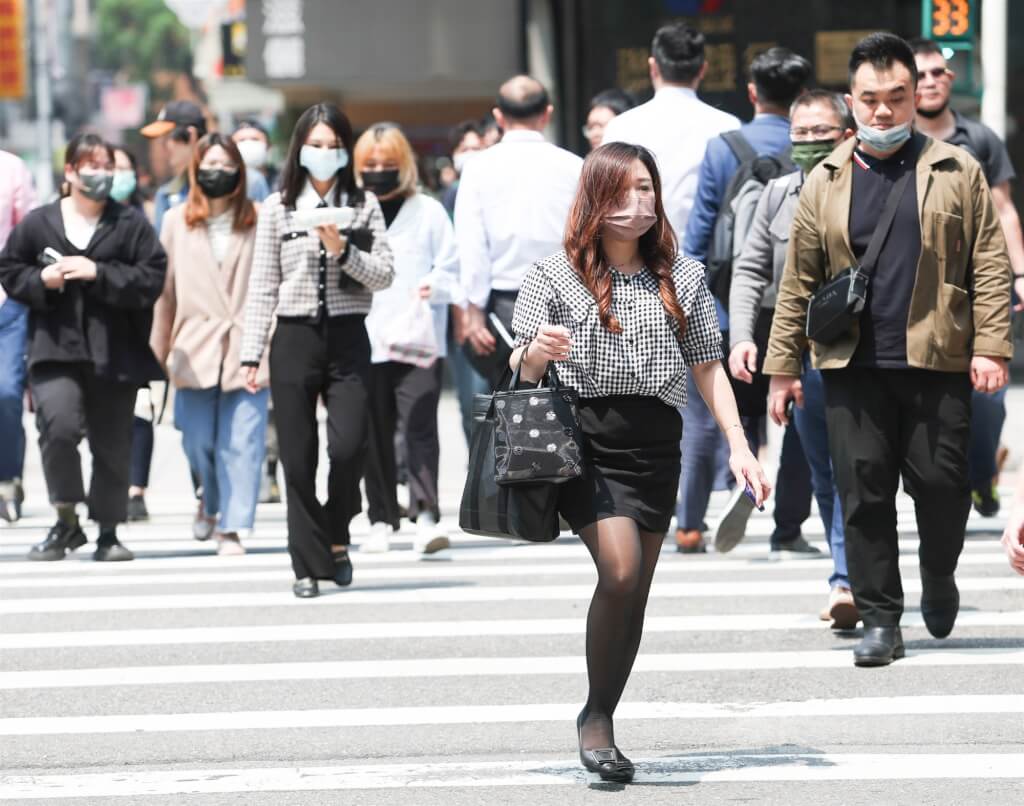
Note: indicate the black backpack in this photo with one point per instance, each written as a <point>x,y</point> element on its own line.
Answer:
<point>736,215</point>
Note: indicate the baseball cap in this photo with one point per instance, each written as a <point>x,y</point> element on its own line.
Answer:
<point>175,115</point>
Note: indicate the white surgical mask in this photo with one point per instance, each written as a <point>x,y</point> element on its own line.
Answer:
<point>254,153</point>
<point>883,139</point>
<point>322,163</point>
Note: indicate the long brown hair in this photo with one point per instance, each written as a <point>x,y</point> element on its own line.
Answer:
<point>605,181</point>
<point>197,206</point>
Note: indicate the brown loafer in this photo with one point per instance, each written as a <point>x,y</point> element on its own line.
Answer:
<point>690,541</point>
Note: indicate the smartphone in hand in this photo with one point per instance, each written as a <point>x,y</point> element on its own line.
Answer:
<point>749,492</point>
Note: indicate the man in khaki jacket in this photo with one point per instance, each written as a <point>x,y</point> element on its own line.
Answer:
<point>936,322</point>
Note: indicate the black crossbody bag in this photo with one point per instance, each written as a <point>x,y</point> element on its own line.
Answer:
<point>837,305</point>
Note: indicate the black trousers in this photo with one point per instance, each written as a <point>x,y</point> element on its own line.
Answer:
<point>404,399</point>
<point>883,423</point>
<point>793,490</point>
<point>329,360</point>
<point>72,402</point>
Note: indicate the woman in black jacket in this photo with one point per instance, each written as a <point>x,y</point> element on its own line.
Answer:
<point>89,270</point>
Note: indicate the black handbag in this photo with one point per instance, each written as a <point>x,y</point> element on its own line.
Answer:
<point>837,305</point>
<point>537,435</point>
<point>523,511</point>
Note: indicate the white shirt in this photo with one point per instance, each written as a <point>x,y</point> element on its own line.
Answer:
<point>219,229</point>
<point>513,202</point>
<point>423,243</point>
<point>675,125</point>
<point>77,228</point>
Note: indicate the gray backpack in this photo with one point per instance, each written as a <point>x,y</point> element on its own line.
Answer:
<point>736,215</point>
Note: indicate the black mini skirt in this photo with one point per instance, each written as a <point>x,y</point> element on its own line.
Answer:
<point>632,463</point>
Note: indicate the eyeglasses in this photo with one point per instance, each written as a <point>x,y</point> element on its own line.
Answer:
<point>935,72</point>
<point>818,131</point>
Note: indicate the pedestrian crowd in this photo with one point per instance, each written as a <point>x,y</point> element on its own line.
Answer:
<point>845,264</point>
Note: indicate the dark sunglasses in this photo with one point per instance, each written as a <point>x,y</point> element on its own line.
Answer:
<point>935,72</point>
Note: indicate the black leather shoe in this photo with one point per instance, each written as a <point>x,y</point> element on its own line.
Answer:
<point>137,509</point>
<point>607,762</point>
<point>306,588</point>
<point>879,647</point>
<point>940,603</point>
<point>59,541</point>
<point>110,550</point>
<point>342,569</point>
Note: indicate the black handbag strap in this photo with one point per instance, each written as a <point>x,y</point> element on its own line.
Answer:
<point>892,201</point>
<point>549,374</point>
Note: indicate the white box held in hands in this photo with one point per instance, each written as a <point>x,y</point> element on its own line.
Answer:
<point>315,217</point>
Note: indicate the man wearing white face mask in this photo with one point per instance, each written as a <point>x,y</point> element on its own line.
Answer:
<point>253,143</point>
<point>915,217</point>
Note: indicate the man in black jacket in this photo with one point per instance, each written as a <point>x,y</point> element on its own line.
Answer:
<point>89,270</point>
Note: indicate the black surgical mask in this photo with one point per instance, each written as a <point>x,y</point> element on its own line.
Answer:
<point>381,183</point>
<point>216,182</point>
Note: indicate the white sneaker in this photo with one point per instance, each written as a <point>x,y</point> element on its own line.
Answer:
<point>379,540</point>
<point>430,538</point>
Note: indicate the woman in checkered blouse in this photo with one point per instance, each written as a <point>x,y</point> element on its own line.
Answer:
<point>623,315</point>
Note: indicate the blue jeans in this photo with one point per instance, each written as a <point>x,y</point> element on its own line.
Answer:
<point>810,423</point>
<point>224,437</point>
<point>988,412</point>
<point>13,336</point>
<point>467,381</point>
<point>705,454</point>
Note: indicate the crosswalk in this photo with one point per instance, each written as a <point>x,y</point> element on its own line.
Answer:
<point>184,677</point>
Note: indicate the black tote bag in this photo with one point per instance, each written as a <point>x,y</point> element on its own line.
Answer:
<point>521,511</point>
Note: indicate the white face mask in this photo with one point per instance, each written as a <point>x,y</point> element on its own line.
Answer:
<point>322,163</point>
<point>254,153</point>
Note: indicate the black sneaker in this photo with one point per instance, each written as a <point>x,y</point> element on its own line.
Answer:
<point>59,541</point>
<point>110,550</point>
<point>796,549</point>
<point>137,509</point>
<point>986,502</point>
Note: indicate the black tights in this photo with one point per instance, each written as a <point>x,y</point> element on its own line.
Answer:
<point>625,557</point>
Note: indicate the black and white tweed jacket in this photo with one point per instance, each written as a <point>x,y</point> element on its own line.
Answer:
<point>647,358</point>
<point>285,275</point>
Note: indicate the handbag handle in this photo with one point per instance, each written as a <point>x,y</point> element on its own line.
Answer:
<point>549,373</point>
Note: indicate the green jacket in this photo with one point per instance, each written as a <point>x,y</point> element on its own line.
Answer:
<point>960,306</point>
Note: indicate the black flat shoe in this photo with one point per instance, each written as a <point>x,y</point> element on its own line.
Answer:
<point>59,541</point>
<point>305,588</point>
<point>342,569</point>
<point>940,603</point>
<point>607,762</point>
<point>879,647</point>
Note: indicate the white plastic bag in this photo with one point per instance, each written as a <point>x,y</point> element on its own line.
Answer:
<point>410,337</point>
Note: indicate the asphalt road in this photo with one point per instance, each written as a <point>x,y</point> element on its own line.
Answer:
<point>185,678</point>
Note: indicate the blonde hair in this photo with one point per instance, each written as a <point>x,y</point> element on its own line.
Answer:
<point>389,137</point>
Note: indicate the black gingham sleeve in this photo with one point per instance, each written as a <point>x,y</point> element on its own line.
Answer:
<point>702,341</point>
<point>533,306</point>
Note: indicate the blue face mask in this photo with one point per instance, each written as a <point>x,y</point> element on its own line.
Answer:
<point>883,139</point>
<point>322,163</point>
<point>124,185</point>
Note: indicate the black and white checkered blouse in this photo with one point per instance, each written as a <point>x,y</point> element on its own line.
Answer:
<point>647,358</point>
